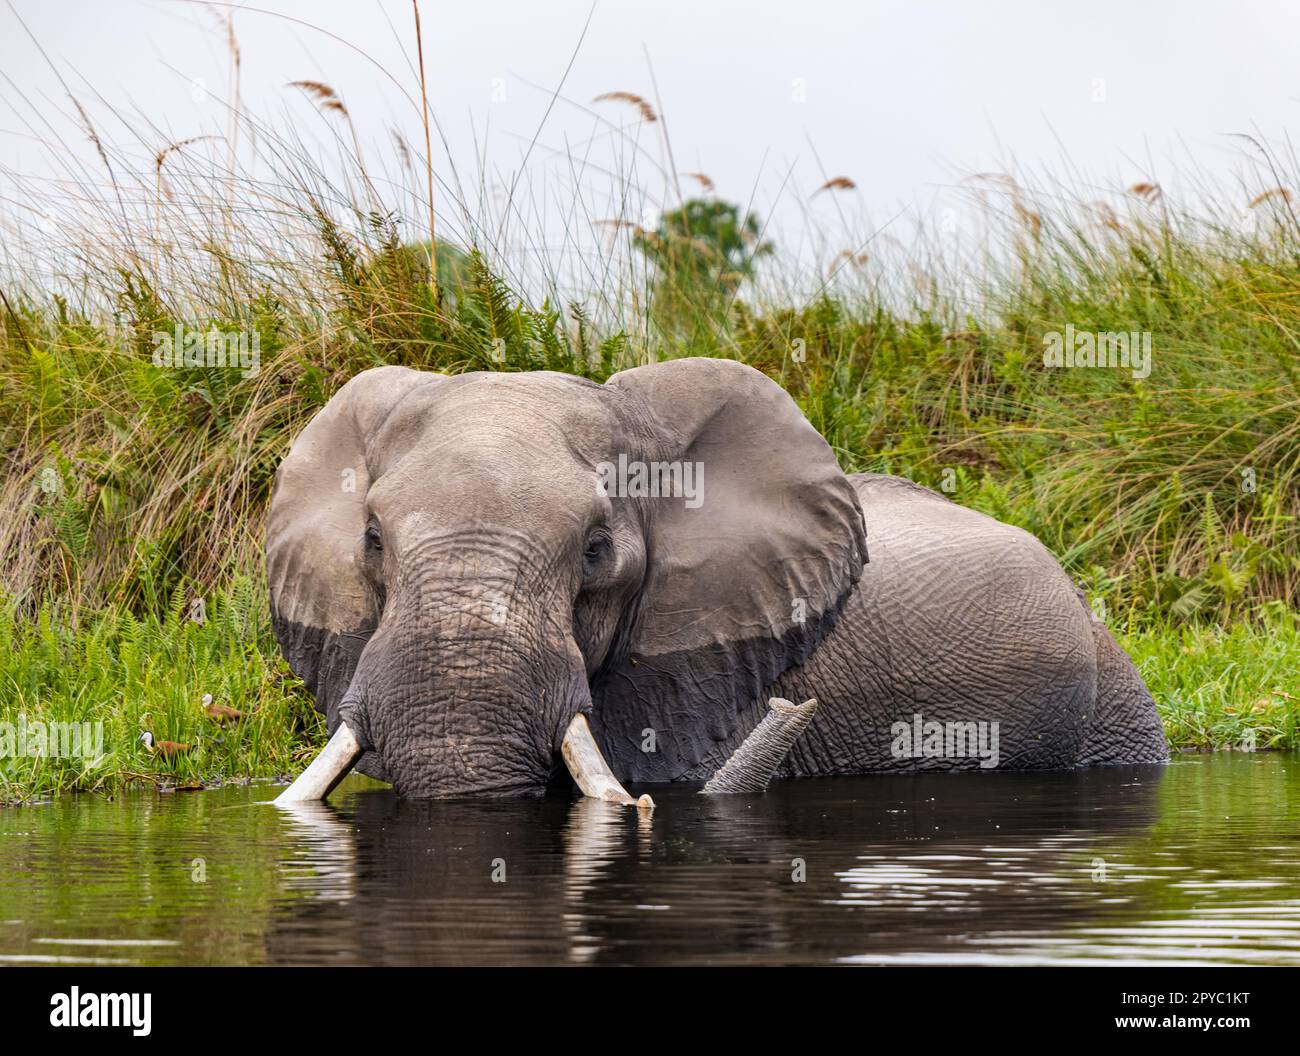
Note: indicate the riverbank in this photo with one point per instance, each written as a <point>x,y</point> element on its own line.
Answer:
<point>1216,689</point>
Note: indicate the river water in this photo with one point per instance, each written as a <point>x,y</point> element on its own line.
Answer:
<point>1194,863</point>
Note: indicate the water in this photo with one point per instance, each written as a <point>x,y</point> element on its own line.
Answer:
<point>1195,863</point>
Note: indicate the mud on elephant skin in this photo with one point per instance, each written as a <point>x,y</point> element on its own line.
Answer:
<point>487,577</point>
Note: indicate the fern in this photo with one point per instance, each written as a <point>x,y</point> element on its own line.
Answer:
<point>612,352</point>
<point>1211,526</point>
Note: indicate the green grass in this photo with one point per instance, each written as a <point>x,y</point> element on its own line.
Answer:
<point>1224,690</point>
<point>150,674</point>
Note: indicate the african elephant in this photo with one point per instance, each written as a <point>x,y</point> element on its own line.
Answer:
<point>482,574</point>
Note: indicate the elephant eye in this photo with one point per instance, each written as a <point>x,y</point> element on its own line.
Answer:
<point>373,538</point>
<point>598,544</point>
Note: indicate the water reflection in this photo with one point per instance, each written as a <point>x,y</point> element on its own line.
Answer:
<point>1195,863</point>
<point>324,860</point>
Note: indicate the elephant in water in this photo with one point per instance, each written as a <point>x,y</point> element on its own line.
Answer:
<point>486,577</point>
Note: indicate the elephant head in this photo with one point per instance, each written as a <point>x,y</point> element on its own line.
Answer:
<point>467,570</point>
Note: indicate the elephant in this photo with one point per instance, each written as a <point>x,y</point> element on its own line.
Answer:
<point>485,579</point>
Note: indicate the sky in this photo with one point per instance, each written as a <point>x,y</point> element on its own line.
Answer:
<point>769,99</point>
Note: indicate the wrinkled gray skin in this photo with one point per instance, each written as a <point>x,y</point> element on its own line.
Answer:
<point>447,576</point>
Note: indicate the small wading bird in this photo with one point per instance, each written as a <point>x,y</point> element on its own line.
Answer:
<point>219,713</point>
<point>167,749</point>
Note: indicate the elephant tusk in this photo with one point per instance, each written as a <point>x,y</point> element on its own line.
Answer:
<point>326,770</point>
<point>589,769</point>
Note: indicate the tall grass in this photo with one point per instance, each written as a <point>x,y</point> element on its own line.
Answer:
<point>1170,496</point>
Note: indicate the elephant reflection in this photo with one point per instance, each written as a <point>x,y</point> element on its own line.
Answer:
<point>874,868</point>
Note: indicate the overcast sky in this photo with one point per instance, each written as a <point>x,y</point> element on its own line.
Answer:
<point>766,98</point>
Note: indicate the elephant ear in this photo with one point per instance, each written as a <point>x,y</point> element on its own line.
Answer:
<point>743,586</point>
<point>322,609</point>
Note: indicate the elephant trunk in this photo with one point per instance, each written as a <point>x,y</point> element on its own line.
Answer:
<point>752,765</point>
